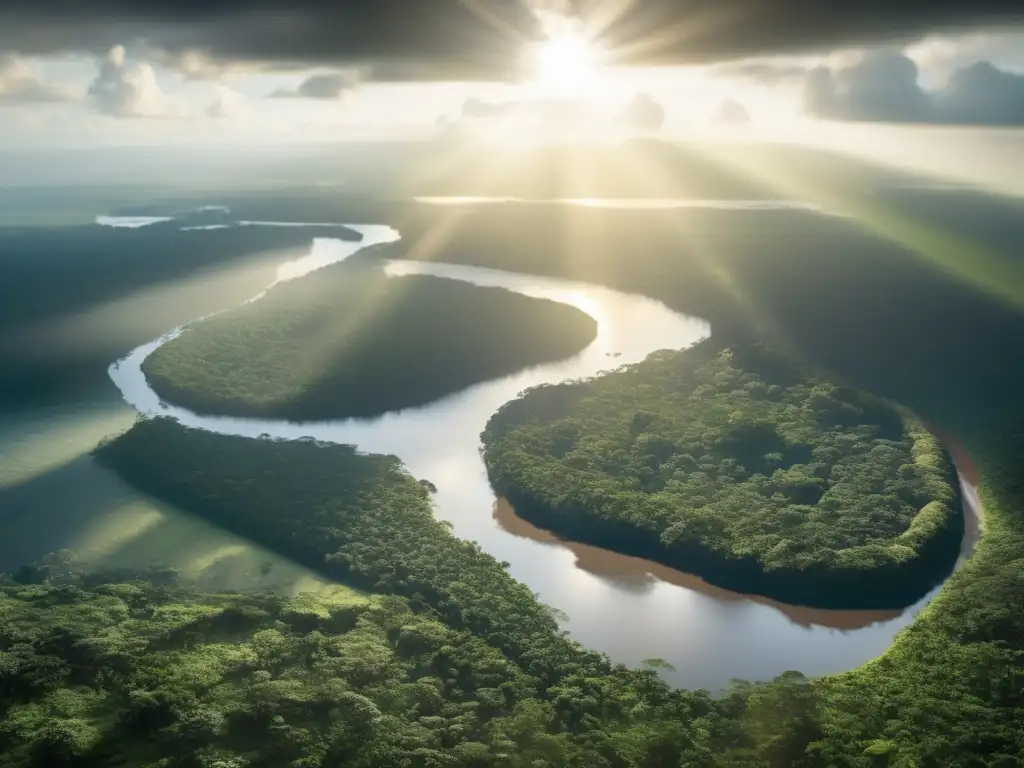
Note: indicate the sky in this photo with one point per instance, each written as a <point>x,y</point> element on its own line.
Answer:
<point>109,72</point>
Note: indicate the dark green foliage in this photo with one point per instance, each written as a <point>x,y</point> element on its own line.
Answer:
<point>50,277</point>
<point>890,303</point>
<point>363,519</point>
<point>349,341</point>
<point>950,686</point>
<point>140,674</point>
<point>868,306</point>
<point>359,518</point>
<point>50,272</point>
<point>734,464</point>
<point>951,689</point>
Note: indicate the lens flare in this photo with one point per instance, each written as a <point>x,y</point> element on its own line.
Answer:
<point>566,64</point>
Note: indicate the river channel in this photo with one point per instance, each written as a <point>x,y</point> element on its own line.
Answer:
<point>629,608</point>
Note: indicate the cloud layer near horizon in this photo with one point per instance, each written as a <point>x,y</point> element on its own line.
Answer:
<point>475,39</point>
<point>552,117</point>
<point>19,85</point>
<point>885,87</point>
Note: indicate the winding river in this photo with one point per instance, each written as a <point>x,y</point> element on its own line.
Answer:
<point>626,607</point>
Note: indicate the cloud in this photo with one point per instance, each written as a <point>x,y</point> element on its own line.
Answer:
<point>731,112</point>
<point>395,39</point>
<point>193,65</point>
<point>332,85</point>
<point>128,89</point>
<point>19,86</point>
<point>551,119</point>
<point>518,119</point>
<point>227,104</point>
<point>882,87</point>
<point>885,87</point>
<point>474,107</point>
<point>479,40</point>
<point>642,113</point>
<point>982,94</point>
<point>765,73</point>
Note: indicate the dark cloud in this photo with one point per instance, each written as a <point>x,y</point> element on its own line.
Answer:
<point>332,85</point>
<point>474,39</point>
<point>19,86</point>
<point>643,114</point>
<point>982,93</point>
<point>395,39</point>
<point>884,87</point>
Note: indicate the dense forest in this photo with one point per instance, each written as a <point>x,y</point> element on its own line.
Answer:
<point>74,299</point>
<point>363,520</point>
<point>52,271</point>
<point>352,342</point>
<point>950,691</point>
<point>907,300</point>
<point>736,465</point>
<point>137,669</point>
<point>127,669</point>
<point>915,298</point>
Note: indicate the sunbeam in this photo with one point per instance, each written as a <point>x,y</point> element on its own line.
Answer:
<point>996,273</point>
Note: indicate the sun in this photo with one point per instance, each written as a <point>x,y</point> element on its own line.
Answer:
<point>566,64</point>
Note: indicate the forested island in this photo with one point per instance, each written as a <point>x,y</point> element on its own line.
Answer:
<point>735,464</point>
<point>349,341</point>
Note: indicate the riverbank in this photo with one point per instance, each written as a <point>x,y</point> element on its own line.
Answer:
<point>638,575</point>
<point>967,470</point>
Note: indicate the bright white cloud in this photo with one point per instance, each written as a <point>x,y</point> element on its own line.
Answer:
<point>123,88</point>
<point>19,85</point>
<point>227,104</point>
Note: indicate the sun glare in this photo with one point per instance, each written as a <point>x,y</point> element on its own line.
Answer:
<point>566,64</point>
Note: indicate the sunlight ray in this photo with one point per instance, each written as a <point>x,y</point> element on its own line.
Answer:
<point>605,15</point>
<point>664,42</point>
<point>975,264</point>
<point>52,445</point>
<point>116,530</point>
<point>759,318</point>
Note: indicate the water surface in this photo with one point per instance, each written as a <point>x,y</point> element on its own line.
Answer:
<point>55,496</point>
<point>643,203</point>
